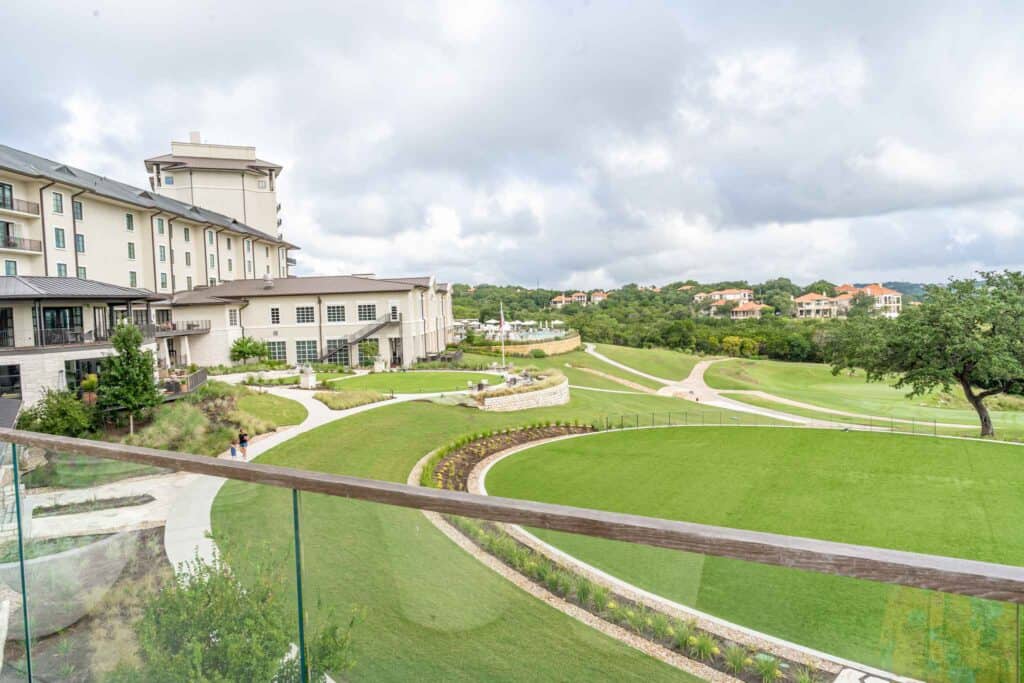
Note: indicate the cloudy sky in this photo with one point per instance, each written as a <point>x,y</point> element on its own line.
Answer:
<point>574,144</point>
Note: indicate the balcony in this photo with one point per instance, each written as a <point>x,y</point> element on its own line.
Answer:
<point>9,242</point>
<point>50,337</point>
<point>180,328</point>
<point>291,261</point>
<point>19,206</point>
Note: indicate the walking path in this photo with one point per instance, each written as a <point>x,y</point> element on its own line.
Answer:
<point>188,529</point>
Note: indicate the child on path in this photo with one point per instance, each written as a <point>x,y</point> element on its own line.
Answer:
<point>234,449</point>
<point>243,442</point>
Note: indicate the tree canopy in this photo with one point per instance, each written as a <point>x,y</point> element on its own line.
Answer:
<point>126,379</point>
<point>968,333</point>
<point>244,348</point>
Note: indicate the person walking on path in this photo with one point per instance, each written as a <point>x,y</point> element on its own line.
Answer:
<point>234,449</point>
<point>243,442</point>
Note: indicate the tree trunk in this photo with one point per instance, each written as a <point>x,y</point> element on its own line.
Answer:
<point>978,402</point>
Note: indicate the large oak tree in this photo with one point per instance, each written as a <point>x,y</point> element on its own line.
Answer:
<point>968,333</point>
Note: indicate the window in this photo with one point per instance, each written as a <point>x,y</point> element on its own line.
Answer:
<point>213,262</point>
<point>248,266</point>
<point>76,209</point>
<point>304,314</point>
<point>80,244</point>
<point>129,222</point>
<point>10,267</point>
<point>131,250</point>
<point>10,381</point>
<point>186,233</point>
<point>58,237</point>
<point>275,316</point>
<point>261,184</point>
<point>168,180</point>
<point>335,314</point>
<point>268,269</point>
<point>367,311</point>
<point>62,270</point>
<point>305,351</point>
<point>160,226</point>
<point>163,253</point>
<point>188,282</point>
<point>6,196</point>
<point>339,349</point>
<point>188,258</point>
<point>81,273</point>
<point>248,246</point>
<point>213,282</point>
<point>163,280</point>
<point>209,237</point>
<point>278,350</point>
<point>266,251</point>
<point>133,278</point>
<point>227,241</point>
<point>231,265</point>
<point>58,202</point>
<point>394,313</point>
<point>369,349</point>
<point>233,317</point>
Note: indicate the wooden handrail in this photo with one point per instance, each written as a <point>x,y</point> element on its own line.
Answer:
<point>931,572</point>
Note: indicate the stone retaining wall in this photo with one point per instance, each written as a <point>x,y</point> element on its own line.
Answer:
<point>552,396</point>
<point>549,347</point>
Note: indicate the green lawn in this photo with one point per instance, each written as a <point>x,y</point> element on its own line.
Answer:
<point>413,382</point>
<point>569,364</point>
<point>940,496</point>
<point>277,410</point>
<point>433,612</point>
<point>814,383</point>
<point>663,363</point>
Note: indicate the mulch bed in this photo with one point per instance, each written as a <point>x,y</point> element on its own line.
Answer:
<point>453,470</point>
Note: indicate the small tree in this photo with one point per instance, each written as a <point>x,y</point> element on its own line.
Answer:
<point>969,333</point>
<point>245,348</point>
<point>126,379</point>
<point>59,412</point>
<point>861,304</point>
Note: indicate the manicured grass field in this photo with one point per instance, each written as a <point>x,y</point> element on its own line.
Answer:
<point>940,496</point>
<point>569,364</point>
<point>433,612</point>
<point>277,410</point>
<point>414,382</point>
<point>814,383</point>
<point>663,363</point>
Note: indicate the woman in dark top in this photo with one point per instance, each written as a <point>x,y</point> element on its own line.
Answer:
<point>243,443</point>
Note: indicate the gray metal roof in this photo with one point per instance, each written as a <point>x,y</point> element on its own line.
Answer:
<point>294,286</point>
<point>40,287</point>
<point>170,162</point>
<point>25,163</point>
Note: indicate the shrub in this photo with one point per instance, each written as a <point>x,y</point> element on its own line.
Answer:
<point>538,353</point>
<point>684,631</point>
<point>251,367</point>
<point>584,589</point>
<point>90,382</point>
<point>244,348</point>
<point>600,598</point>
<point>342,400</point>
<point>59,412</point>
<point>703,647</point>
<point>660,626</point>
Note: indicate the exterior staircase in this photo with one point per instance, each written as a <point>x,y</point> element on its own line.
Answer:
<point>364,332</point>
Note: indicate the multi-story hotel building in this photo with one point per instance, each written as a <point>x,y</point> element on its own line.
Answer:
<point>195,261</point>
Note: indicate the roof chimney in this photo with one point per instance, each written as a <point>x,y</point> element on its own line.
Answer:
<point>193,137</point>
<point>268,282</point>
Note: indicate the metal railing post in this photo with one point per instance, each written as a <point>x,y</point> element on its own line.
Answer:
<point>303,671</point>
<point>21,562</point>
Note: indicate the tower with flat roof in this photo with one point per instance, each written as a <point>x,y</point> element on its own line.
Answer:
<point>229,179</point>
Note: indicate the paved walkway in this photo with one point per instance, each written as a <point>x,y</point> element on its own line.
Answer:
<point>187,534</point>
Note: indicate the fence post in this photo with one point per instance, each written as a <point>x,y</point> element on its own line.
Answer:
<point>637,418</point>
<point>935,427</point>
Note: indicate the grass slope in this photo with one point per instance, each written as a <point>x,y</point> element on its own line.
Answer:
<point>663,363</point>
<point>433,612</point>
<point>938,496</point>
<point>276,410</point>
<point>814,383</point>
<point>568,364</point>
<point>414,382</point>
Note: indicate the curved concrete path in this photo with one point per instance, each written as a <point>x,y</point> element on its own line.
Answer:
<point>188,529</point>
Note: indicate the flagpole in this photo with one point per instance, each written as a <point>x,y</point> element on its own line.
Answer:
<point>501,306</point>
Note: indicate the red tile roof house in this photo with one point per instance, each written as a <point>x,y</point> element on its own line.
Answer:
<point>560,301</point>
<point>579,298</point>
<point>747,309</point>
<point>598,296</point>
<point>888,302</point>
<point>733,294</point>
<point>814,305</point>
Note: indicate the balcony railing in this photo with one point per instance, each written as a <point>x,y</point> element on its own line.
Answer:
<point>175,387</point>
<point>309,548</point>
<point>6,337</point>
<point>20,205</point>
<point>182,327</point>
<point>22,243</point>
<point>291,261</point>
<point>64,336</point>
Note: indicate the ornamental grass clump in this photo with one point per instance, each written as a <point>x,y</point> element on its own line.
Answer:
<point>660,626</point>
<point>804,675</point>
<point>584,589</point>
<point>768,668</point>
<point>683,632</point>
<point>703,647</point>
<point>736,659</point>
<point>600,599</point>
